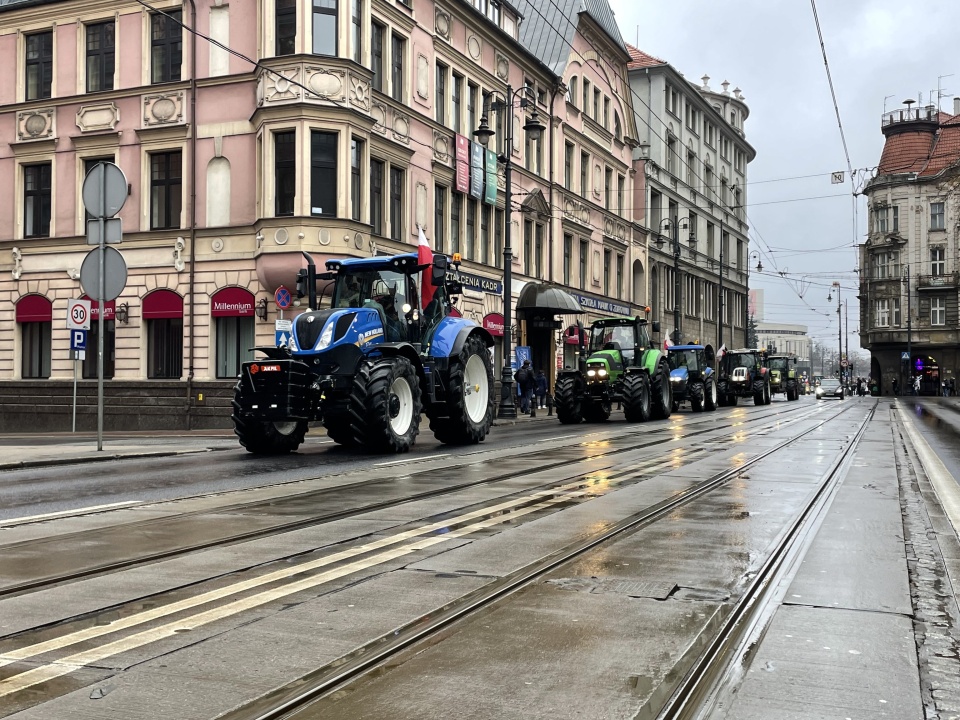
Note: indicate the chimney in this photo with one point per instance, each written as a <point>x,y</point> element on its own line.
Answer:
<point>956,106</point>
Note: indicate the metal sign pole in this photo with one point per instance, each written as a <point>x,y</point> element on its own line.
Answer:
<point>103,309</point>
<point>74,353</point>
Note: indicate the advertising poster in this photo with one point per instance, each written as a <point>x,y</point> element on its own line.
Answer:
<point>490,193</point>
<point>476,170</point>
<point>463,164</point>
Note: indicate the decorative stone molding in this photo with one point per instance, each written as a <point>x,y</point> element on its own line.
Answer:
<point>163,109</point>
<point>503,67</point>
<point>441,147</point>
<point>91,118</point>
<point>378,111</point>
<point>36,124</point>
<point>401,128</point>
<point>359,93</point>
<point>423,77</point>
<point>324,83</point>
<point>442,23</point>
<point>276,88</point>
<point>474,47</point>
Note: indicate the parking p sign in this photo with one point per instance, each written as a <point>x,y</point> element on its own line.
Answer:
<point>78,315</point>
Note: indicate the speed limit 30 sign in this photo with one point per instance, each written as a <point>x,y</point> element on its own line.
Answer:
<point>78,315</point>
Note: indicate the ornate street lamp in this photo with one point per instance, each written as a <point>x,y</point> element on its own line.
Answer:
<point>675,224</point>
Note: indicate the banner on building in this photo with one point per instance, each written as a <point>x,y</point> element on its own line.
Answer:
<point>490,194</point>
<point>476,170</point>
<point>463,164</point>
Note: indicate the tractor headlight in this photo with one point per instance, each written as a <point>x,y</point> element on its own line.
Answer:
<point>676,379</point>
<point>601,372</point>
<point>326,337</point>
<point>591,373</point>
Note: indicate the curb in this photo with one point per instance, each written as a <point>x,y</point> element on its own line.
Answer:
<point>75,460</point>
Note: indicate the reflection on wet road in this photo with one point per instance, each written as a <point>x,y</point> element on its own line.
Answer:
<point>939,422</point>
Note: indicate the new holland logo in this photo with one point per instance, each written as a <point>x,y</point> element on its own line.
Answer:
<point>368,335</point>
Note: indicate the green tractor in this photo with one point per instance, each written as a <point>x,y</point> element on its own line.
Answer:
<point>783,376</point>
<point>622,365</point>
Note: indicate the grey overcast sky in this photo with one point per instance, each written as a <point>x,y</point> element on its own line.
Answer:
<point>770,49</point>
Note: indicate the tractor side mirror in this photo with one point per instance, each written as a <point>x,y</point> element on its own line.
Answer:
<point>438,274</point>
<point>655,325</point>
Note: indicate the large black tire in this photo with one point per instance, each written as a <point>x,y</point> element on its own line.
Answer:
<point>594,411</point>
<point>696,393</point>
<point>262,437</point>
<point>732,400</point>
<point>392,406</point>
<point>568,399</point>
<point>469,399</point>
<point>346,423</point>
<point>661,394</point>
<point>766,394</point>
<point>758,394</point>
<point>710,396</point>
<point>636,397</point>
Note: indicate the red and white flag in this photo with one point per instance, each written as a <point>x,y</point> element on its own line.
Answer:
<point>425,257</point>
<point>667,343</point>
<point>722,351</point>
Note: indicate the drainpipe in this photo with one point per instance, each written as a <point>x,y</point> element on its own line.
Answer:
<point>553,103</point>
<point>191,319</point>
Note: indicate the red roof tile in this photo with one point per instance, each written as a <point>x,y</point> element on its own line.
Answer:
<point>946,151</point>
<point>640,59</point>
<point>926,153</point>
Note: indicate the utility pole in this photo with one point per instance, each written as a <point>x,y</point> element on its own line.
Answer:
<point>846,344</point>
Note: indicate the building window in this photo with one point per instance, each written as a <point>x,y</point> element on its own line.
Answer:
<point>285,27</point>
<point>470,240</point>
<point>397,47</point>
<point>584,174</point>
<point>672,155</point>
<point>456,205</point>
<point>100,57</point>
<point>572,92</point>
<point>656,209</point>
<point>439,217</point>
<point>166,46</point>
<point>538,251</point>
<point>936,216</point>
<point>528,248</point>
<point>472,91</point>
<point>607,261</point>
<point>938,311</point>
<point>356,163</point>
<point>586,96</point>
<point>596,105</point>
<point>235,338</point>
<point>883,313</point>
<point>396,204</point>
<point>896,218</point>
<point>606,113</point>
<point>165,340</point>
<point>356,14</point>
<point>441,99</point>
<point>937,261</point>
<point>325,27</point>
<point>607,188</point>
<point>376,196</point>
<point>37,200</point>
<point>377,32</point>
<point>456,91</point>
<point>484,234</point>
<point>896,312</point>
<point>584,259</point>
<point>39,65</point>
<point>617,127</point>
<point>109,346</point>
<point>621,182</point>
<point>285,171</point>
<point>35,349</point>
<point>691,172</point>
<point>673,101</point>
<point>711,230</point>
<point>498,238</point>
<point>88,165</point>
<point>567,165</point>
<point>708,181</point>
<point>567,257</point>
<point>323,174</point>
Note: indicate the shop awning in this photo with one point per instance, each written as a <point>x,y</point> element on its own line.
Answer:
<point>34,308</point>
<point>162,305</point>
<point>546,299</point>
<point>232,302</point>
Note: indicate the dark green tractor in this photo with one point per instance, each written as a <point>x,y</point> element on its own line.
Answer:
<point>783,376</point>
<point>621,365</point>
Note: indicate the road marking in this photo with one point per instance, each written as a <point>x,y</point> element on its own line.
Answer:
<point>410,460</point>
<point>10,522</point>
<point>77,661</point>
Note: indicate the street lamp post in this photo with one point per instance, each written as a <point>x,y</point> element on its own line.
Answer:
<point>839,332</point>
<point>675,243</point>
<point>533,127</point>
<point>906,279</point>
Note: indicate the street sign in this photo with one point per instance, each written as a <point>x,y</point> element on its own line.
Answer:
<point>104,190</point>
<point>112,231</point>
<point>905,356</point>
<point>284,329</point>
<point>114,274</point>
<point>843,363</point>
<point>282,296</point>
<point>78,339</point>
<point>282,338</point>
<point>78,315</point>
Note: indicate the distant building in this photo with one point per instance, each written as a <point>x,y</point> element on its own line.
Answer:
<point>910,275</point>
<point>784,338</point>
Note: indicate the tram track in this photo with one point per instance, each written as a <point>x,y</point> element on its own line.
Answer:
<point>292,700</point>
<point>185,524</point>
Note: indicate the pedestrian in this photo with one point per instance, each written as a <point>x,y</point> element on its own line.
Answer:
<point>951,387</point>
<point>894,383</point>
<point>541,389</point>
<point>916,384</point>
<point>525,385</point>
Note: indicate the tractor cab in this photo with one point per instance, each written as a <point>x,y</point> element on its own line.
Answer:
<point>617,343</point>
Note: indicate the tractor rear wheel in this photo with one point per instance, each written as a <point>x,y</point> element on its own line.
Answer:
<point>636,397</point>
<point>759,396</point>
<point>393,406</point>
<point>265,437</point>
<point>469,397</point>
<point>661,394</point>
<point>710,396</point>
<point>766,394</point>
<point>696,393</point>
<point>568,399</point>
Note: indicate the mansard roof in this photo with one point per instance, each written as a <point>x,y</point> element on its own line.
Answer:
<point>923,152</point>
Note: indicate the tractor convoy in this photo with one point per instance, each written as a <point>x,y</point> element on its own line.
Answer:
<point>386,350</point>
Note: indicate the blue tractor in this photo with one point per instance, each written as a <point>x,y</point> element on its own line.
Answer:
<point>692,376</point>
<point>368,365</point>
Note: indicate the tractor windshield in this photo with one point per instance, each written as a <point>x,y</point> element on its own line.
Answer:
<point>747,360</point>
<point>393,295</point>
<point>604,335</point>
<point>778,364</point>
<point>684,359</point>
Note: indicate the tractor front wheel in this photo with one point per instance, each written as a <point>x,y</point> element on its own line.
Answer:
<point>696,393</point>
<point>710,396</point>
<point>568,398</point>
<point>469,397</point>
<point>661,393</point>
<point>393,406</point>
<point>636,397</point>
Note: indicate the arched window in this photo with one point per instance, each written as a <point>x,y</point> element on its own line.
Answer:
<point>35,318</point>
<point>163,315</point>
<point>617,128</point>
<point>232,308</point>
<point>572,91</point>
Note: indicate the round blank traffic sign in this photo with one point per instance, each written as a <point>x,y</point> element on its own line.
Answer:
<point>115,274</point>
<point>104,190</point>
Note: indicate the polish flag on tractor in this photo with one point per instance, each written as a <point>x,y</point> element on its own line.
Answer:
<point>425,257</point>
<point>667,343</point>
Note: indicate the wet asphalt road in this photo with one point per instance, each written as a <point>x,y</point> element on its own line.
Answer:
<point>939,421</point>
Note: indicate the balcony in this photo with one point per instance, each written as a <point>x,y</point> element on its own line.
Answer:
<point>937,282</point>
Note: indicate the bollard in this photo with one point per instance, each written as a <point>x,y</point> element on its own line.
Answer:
<point>549,405</point>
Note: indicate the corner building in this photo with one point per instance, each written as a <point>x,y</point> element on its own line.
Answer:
<point>341,142</point>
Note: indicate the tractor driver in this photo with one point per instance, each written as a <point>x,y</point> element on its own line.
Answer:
<point>351,296</point>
